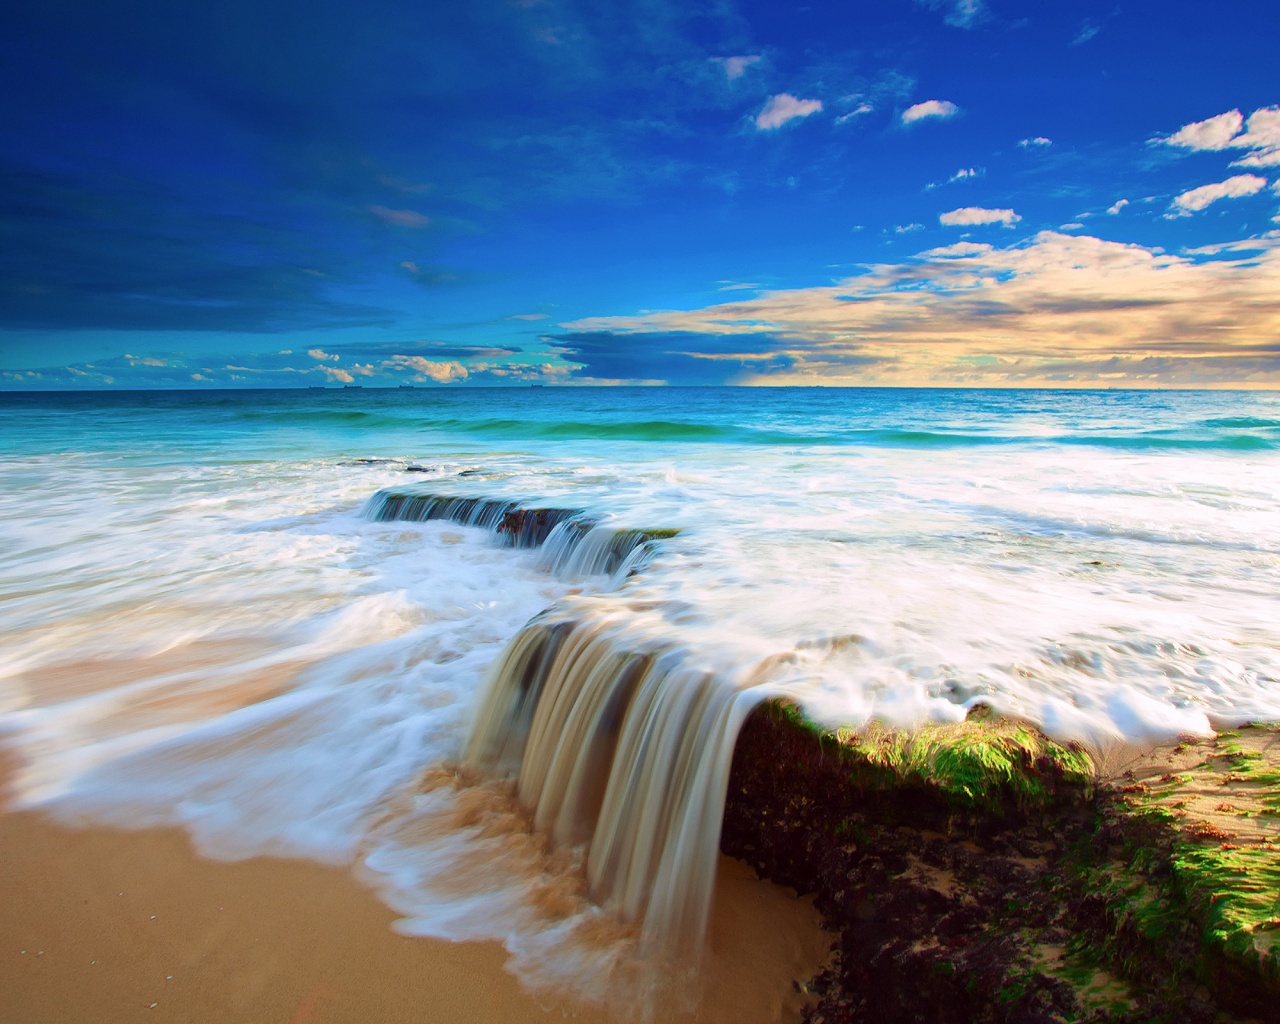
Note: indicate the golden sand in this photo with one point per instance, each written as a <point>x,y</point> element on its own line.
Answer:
<point>100,926</point>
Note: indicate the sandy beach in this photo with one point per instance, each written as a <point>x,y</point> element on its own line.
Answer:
<point>100,926</point>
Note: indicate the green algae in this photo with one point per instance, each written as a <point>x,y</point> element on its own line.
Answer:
<point>1085,971</point>
<point>1179,861</point>
<point>1224,861</point>
<point>1199,864</point>
<point>659,533</point>
<point>980,765</point>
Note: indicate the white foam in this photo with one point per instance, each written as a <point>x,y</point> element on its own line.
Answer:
<point>227,646</point>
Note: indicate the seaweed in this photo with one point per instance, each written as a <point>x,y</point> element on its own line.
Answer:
<point>981,872</point>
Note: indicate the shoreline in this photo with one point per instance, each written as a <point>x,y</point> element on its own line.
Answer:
<point>100,925</point>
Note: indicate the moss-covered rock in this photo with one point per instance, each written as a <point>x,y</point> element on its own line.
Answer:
<point>1187,856</point>
<point>982,872</point>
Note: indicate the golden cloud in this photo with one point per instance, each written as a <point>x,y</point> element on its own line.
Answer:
<point>1055,310</point>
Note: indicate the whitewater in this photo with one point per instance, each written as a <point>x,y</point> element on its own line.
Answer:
<point>491,647</point>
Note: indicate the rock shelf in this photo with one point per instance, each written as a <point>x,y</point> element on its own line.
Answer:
<point>983,873</point>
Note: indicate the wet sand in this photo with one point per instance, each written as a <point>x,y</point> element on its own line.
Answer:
<point>99,926</point>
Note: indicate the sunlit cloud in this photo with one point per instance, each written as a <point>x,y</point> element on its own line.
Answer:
<point>969,216</point>
<point>1197,199</point>
<point>736,67</point>
<point>1117,206</point>
<point>440,371</point>
<point>1260,135</point>
<point>1056,310</point>
<point>963,174</point>
<point>929,108</point>
<point>783,108</point>
<point>858,111</point>
<point>1213,133</point>
<point>957,250</point>
<point>1039,142</point>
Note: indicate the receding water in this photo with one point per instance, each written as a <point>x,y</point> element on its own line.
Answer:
<point>210,619</point>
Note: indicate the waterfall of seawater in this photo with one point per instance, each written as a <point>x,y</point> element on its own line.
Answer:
<point>574,543</point>
<point>620,745</point>
<point>619,738</point>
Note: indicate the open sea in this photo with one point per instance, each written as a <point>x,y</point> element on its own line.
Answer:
<point>251,613</point>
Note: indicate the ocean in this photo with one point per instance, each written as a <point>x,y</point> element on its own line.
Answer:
<point>492,646</point>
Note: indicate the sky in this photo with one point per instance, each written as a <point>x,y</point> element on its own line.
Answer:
<point>271,193</point>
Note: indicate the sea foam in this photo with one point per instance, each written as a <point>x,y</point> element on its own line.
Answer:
<point>208,624</point>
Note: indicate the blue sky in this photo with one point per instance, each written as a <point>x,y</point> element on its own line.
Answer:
<point>956,192</point>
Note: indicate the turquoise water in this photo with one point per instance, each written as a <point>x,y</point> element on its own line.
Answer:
<point>204,625</point>
<point>325,420</point>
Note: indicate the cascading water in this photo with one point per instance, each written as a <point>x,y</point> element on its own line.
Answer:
<point>574,543</point>
<point>619,738</point>
<point>620,742</point>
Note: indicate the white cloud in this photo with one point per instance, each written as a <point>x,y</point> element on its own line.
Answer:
<point>958,250</point>
<point>736,67</point>
<point>863,108</point>
<point>783,108</point>
<point>964,174</point>
<point>1088,29</point>
<point>967,216</point>
<point>1198,198</point>
<point>440,371</point>
<point>906,229</point>
<point>1261,135</point>
<point>929,108</point>
<point>400,218</point>
<point>528,316</point>
<point>1052,310</point>
<point>1117,206</point>
<point>960,13</point>
<point>1074,225</point>
<point>334,375</point>
<point>1261,158</point>
<point>321,354</point>
<point>144,361</point>
<point>1212,133</point>
<point>1038,142</point>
